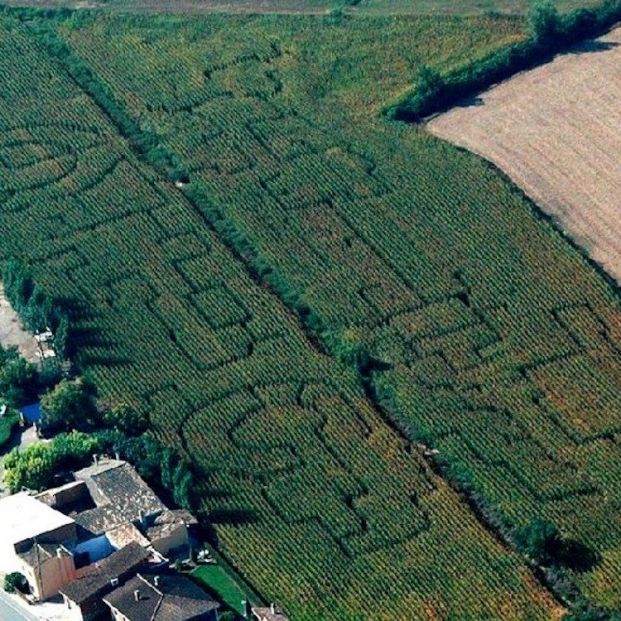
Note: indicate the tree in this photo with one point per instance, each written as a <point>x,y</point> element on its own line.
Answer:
<point>18,381</point>
<point>69,405</point>
<point>14,582</point>
<point>17,283</point>
<point>125,418</point>
<point>429,83</point>
<point>539,540</point>
<point>182,485</point>
<point>33,468</point>
<point>61,336</point>
<point>544,22</point>
<point>37,312</point>
<point>542,541</point>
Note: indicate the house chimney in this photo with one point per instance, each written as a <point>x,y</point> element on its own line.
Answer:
<point>273,609</point>
<point>59,552</point>
<point>137,595</point>
<point>142,518</point>
<point>95,459</point>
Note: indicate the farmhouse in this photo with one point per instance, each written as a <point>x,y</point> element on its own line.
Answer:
<point>36,540</point>
<point>161,598</point>
<point>112,506</point>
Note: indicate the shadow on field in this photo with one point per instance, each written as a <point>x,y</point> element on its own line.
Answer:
<point>593,46</point>
<point>233,517</point>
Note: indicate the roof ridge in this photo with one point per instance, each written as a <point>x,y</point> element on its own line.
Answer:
<point>158,605</point>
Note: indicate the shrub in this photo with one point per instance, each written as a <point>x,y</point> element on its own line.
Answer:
<point>15,582</point>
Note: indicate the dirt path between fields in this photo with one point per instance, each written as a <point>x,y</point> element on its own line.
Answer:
<point>555,131</point>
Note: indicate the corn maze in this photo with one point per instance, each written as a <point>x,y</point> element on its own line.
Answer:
<point>316,500</point>
<point>500,345</point>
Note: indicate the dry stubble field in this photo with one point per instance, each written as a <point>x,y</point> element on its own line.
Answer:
<point>554,131</point>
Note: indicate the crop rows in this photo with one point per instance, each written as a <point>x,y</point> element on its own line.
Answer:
<point>318,502</point>
<point>500,346</point>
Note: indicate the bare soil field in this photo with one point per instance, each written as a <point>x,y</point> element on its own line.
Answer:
<point>556,132</point>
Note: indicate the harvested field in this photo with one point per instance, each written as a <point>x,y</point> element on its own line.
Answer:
<point>554,131</point>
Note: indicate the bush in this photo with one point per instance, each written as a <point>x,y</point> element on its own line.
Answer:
<point>15,582</point>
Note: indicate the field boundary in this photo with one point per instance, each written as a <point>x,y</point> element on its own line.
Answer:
<point>435,94</point>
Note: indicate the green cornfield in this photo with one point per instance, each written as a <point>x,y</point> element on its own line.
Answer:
<point>321,504</point>
<point>494,341</point>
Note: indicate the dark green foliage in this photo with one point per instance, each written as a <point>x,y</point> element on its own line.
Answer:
<point>36,466</point>
<point>15,582</point>
<point>542,541</point>
<point>18,381</point>
<point>157,464</point>
<point>69,405</point>
<point>34,306</point>
<point>7,424</point>
<point>544,22</point>
<point>125,418</point>
<point>17,281</point>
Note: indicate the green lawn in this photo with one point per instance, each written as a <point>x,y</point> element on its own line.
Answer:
<point>217,580</point>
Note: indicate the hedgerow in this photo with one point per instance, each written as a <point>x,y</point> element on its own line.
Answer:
<point>551,33</point>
